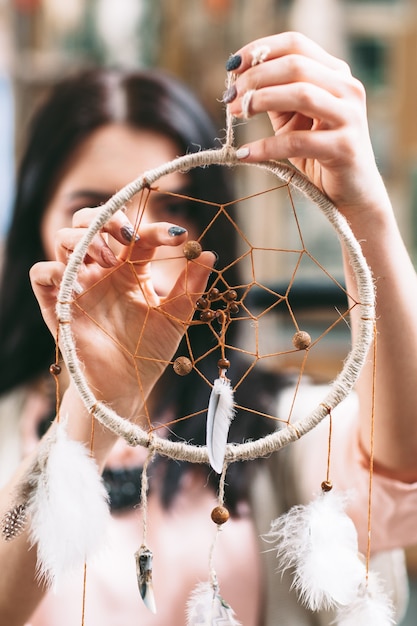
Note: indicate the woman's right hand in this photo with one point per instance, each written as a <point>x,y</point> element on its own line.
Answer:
<point>130,317</point>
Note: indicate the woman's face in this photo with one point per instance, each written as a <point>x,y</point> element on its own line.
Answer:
<point>106,161</point>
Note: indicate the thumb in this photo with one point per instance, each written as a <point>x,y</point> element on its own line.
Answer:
<point>45,278</point>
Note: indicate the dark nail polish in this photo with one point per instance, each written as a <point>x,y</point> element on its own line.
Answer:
<point>175,231</point>
<point>230,94</point>
<point>216,259</point>
<point>233,62</point>
<point>128,233</point>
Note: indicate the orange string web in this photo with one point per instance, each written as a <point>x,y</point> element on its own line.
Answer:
<point>266,330</point>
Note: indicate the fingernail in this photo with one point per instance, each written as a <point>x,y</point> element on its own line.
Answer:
<point>242,153</point>
<point>230,94</point>
<point>233,62</point>
<point>175,231</point>
<point>128,233</point>
<point>108,257</point>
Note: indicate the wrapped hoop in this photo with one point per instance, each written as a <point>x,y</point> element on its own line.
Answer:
<point>340,387</point>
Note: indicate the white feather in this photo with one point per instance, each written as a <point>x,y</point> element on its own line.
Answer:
<point>371,607</point>
<point>206,607</point>
<point>319,541</point>
<point>68,509</point>
<point>219,416</point>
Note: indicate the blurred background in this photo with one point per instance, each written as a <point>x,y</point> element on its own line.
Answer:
<point>41,40</point>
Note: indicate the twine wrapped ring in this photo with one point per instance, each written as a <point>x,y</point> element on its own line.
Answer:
<point>338,390</point>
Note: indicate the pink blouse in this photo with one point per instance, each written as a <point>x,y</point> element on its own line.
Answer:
<point>393,503</point>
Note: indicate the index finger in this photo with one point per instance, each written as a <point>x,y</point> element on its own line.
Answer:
<point>275,46</point>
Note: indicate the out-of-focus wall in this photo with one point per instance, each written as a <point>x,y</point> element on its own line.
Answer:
<point>193,38</point>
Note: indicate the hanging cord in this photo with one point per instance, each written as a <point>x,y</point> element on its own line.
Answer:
<point>144,488</point>
<point>228,145</point>
<point>219,515</point>
<point>144,556</point>
<point>371,452</point>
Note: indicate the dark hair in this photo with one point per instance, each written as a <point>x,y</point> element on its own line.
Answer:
<point>74,109</point>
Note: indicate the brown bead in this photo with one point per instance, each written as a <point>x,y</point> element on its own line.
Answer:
<point>55,369</point>
<point>182,366</point>
<point>230,295</point>
<point>326,485</point>
<point>213,294</point>
<point>192,250</point>
<point>301,340</point>
<point>202,303</point>
<point>207,315</point>
<point>223,364</point>
<point>233,308</point>
<point>220,515</point>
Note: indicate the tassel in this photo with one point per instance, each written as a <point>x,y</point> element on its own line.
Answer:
<point>219,416</point>
<point>206,607</point>
<point>371,607</point>
<point>319,541</point>
<point>143,559</point>
<point>68,507</point>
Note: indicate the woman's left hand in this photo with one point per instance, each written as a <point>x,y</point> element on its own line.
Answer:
<point>125,332</point>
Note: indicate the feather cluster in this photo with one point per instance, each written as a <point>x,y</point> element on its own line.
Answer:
<point>220,413</point>
<point>206,607</point>
<point>371,607</point>
<point>319,542</point>
<point>68,507</point>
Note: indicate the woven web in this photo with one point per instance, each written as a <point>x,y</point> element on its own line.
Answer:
<point>259,320</point>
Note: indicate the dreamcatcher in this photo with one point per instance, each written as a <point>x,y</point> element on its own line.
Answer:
<point>306,534</point>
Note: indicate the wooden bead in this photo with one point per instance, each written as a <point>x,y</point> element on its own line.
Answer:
<point>182,366</point>
<point>326,485</point>
<point>207,315</point>
<point>55,369</point>
<point>233,308</point>
<point>213,294</point>
<point>301,340</point>
<point>230,295</point>
<point>223,364</point>
<point>192,250</point>
<point>220,515</point>
<point>202,303</point>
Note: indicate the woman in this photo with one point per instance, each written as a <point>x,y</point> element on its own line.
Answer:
<point>141,100</point>
<point>317,111</point>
